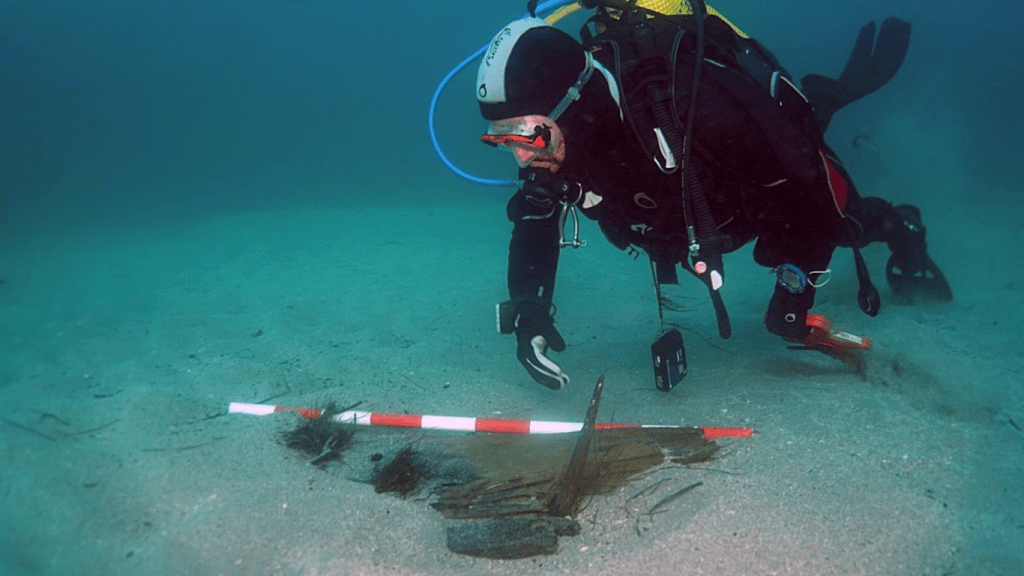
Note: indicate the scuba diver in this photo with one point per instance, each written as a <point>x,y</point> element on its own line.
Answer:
<point>685,139</point>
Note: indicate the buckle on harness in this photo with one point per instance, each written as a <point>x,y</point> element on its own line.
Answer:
<point>568,209</point>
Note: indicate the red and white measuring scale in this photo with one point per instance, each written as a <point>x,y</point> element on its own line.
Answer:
<point>463,424</point>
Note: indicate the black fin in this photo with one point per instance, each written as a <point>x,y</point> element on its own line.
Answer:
<point>860,56</point>
<point>869,70</point>
<point>870,66</point>
<point>910,271</point>
<point>927,281</point>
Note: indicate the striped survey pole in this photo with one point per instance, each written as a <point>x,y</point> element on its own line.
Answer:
<point>464,424</point>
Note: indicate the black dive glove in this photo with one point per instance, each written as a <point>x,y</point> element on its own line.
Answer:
<point>535,332</point>
<point>787,313</point>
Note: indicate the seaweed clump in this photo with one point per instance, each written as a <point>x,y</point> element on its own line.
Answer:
<point>323,440</point>
<point>405,474</point>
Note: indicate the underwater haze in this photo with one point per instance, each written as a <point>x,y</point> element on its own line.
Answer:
<point>119,112</point>
<point>215,201</point>
<point>123,112</point>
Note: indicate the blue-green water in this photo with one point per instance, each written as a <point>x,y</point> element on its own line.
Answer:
<point>205,202</point>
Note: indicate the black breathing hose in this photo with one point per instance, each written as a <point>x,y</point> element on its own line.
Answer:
<point>695,206</point>
<point>705,222</point>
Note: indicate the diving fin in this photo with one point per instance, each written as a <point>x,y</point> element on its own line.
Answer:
<point>910,271</point>
<point>872,63</point>
<point>927,281</point>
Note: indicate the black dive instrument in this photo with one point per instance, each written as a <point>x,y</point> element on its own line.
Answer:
<point>791,279</point>
<point>669,358</point>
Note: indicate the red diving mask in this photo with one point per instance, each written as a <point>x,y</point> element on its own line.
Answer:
<point>535,141</point>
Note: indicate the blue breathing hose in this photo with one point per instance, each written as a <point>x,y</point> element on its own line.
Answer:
<point>550,5</point>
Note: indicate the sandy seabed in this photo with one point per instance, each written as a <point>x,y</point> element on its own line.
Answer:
<point>121,351</point>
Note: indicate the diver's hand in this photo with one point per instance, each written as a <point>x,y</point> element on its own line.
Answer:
<point>535,333</point>
<point>787,313</point>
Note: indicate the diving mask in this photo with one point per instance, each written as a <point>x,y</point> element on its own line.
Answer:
<point>536,141</point>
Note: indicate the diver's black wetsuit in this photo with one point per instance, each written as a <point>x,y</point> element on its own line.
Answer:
<point>766,173</point>
<point>770,187</point>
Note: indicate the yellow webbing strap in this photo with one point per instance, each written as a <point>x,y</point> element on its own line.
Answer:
<point>667,7</point>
